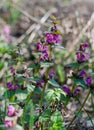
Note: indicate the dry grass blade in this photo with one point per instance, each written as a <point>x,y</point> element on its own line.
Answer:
<point>43,19</point>
<point>89,23</point>
<point>28,15</point>
<point>29,30</point>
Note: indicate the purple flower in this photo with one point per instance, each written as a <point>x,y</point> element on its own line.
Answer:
<point>87,56</point>
<point>12,70</point>
<point>84,46</point>
<point>82,74</point>
<point>15,87</point>
<point>76,91</point>
<point>57,38</point>
<point>44,49</point>
<point>39,46</point>
<point>11,110</point>
<point>66,89</point>
<point>40,84</point>
<point>9,85</point>
<point>44,56</point>
<point>80,57</point>
<point>49,38</point>
<point>8,123</point>
<point>88,81</point>
<point>51,75</point>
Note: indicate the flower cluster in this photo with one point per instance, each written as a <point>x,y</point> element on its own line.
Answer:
<point>49,38</point>
<point>10,86</point>
<point>81,55</point>
<point>53,38</point>
<point>83,75</point>
<point>44,51</point>
<point>69,92</point>
<point>12,112</point>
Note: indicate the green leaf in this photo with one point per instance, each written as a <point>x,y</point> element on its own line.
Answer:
<point>53,83</point>
<point>56,120</point>
<point>1,65</point>
<point>46,115</point>
<point>80,82</point>
<point>73,65</point>
<point>4,48</point>
<point>37,90</point>
<point>49,94</point>
<point>46,64</point>
<point>30,88</point>
<point>35,79</point>
<point>34,66</point>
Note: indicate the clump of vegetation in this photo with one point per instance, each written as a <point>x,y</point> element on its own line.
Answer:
<point>32,94</point>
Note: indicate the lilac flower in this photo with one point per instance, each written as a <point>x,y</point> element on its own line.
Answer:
<point>76,91</point>
<point>39,46</point>
<point>7,30</point>
<point>49,38</point>
<point>40,84</point>
<point>88,81</point>
<point>66,89</point>
<point>9,40</point>
<point>15,87</point>
<point>51,75</point>
<point>12,70</point>
<point>9,85</point>
<point>82,74</point>
<point>11,110</point>
<point>8,123</point>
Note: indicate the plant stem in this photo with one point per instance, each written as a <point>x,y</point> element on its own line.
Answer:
<point>47,73</point>
<point>79,110</point>
<point>42,95</point>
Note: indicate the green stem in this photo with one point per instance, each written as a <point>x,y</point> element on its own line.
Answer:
<point>47,73</point>
<point>42,95</point>
<point>65,105</point>
<point>79,110</point>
